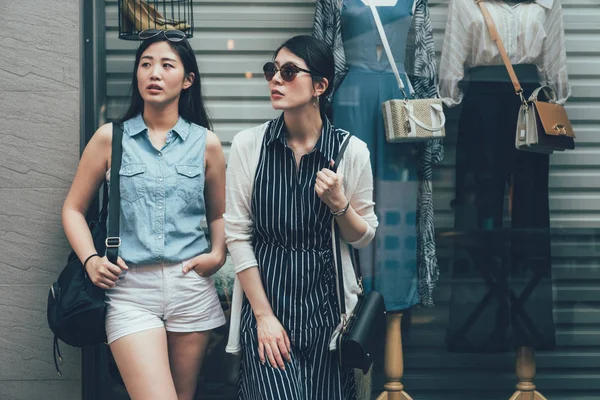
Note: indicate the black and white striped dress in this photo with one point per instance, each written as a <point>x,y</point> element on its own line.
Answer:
<point>292,243</point>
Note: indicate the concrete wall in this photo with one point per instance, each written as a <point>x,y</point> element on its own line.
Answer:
<point>39,150</point>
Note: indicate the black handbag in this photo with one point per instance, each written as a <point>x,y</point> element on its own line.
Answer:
<point>363,329</point>
<point>76,309</point>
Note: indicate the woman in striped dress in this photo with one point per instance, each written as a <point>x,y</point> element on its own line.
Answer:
<point>282,199</point>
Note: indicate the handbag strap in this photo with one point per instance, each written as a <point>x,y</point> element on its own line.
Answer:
<point>437,108</point>
<point>113,241</point>
<point>547,90</point>
<point>388,52</point>
<point>496,39</point>
<point>341,152</point>
<point>338,250</point>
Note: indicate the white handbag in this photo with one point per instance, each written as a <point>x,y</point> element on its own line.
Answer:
<point>409,120</point>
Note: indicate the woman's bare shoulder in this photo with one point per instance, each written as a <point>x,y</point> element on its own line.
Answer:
<point>103,135</point>
<point>213,143</point>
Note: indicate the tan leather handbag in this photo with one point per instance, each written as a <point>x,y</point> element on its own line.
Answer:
<point>408,120</point>
<point>542,126</point>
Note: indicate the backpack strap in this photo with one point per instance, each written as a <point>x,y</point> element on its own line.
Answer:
<point>113,241</point>
<point>110,200</point>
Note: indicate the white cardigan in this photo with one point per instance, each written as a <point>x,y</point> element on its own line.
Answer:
<point>244,155</point>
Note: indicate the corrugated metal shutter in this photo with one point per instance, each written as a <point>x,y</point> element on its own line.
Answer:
<point>234,38</point>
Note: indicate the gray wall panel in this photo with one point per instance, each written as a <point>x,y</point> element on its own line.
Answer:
<point>26,347</point>
<point>34,246</point>
<point>65,389</point>
<point>39,131</point>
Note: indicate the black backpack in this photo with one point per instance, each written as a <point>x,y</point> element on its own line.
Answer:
<point>76,308</point>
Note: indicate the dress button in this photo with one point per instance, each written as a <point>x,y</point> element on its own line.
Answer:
<point>160,236</point>
<point>159,154</point>
<point>160,207</point>
<point>160,179</point>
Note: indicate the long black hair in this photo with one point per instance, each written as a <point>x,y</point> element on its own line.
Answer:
<point>191,103</point>
<point>319,60</point>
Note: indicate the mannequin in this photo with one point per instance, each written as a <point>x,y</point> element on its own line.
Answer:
<point>501,289</point>
<point>391,269</point>
<point>401,182</point>
<point>388,264</point>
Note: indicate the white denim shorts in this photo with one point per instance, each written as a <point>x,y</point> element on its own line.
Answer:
<point>161,296</point>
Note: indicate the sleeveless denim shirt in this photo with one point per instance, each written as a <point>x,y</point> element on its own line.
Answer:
<point>162,194</point>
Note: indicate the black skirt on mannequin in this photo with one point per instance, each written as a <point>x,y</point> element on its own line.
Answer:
<point>501,279</point>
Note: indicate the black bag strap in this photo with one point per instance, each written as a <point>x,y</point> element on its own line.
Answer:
<point>104,210</point>
<point>338,250</point>
<point>341,152</point>
<point>113,241</point>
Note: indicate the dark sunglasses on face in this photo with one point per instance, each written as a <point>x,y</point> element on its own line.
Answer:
<point>172,35</point>
<point>287,71</point>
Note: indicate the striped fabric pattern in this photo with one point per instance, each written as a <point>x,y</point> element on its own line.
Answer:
<point>421,69</point>
<point>313,373</point>
<point>292,244</point>
<point>327,27</point>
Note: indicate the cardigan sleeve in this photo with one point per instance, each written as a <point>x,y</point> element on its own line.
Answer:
<point>238,217</point>
<point>362,199</point>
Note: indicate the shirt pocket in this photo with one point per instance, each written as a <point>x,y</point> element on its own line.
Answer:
<point>132,181</point>
<point>189,181</point>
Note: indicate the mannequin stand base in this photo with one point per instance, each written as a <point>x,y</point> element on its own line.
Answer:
<point>402,395</point>
<point>394,362</point>
<point>525,369</point>
<point>535,395</point>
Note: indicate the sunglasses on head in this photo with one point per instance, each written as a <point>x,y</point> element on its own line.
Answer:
<point>172,35</point>
<point>287,71</point>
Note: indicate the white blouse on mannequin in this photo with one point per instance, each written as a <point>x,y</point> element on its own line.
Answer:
<point>532,33</point>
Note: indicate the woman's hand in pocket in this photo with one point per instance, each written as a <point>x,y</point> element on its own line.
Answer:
<point>205,265</point>
<point>273,341</point>
<point>103,273</point>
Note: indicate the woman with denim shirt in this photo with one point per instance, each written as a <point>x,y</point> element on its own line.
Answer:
<point>162,303</point>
